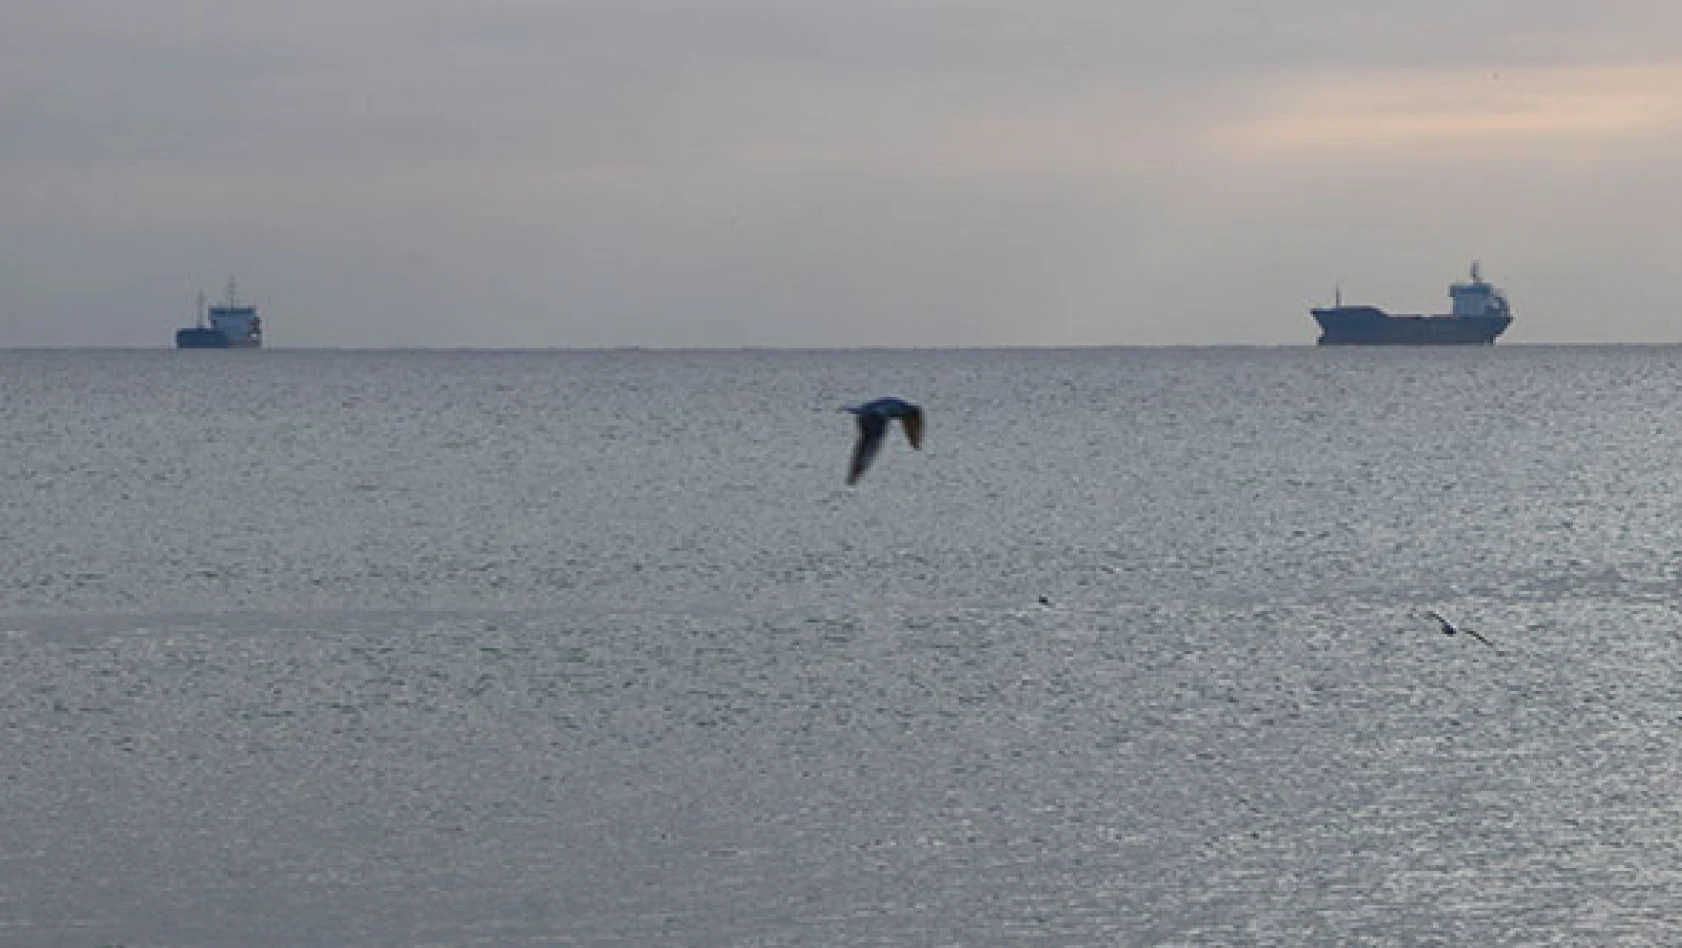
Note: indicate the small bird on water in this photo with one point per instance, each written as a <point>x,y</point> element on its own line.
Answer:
<point>873,419</point>
<point>1449,628</point>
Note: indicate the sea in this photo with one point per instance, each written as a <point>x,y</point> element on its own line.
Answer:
<point>445,648</point>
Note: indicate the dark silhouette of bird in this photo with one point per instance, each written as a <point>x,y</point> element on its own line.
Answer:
<point>1450,629</point>
<point>873,419</point>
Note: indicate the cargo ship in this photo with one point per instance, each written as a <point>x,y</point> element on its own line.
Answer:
<point>229,324</point>
<point>1479,315</point>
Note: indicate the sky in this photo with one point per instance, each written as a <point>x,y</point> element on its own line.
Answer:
<point>788,173</point>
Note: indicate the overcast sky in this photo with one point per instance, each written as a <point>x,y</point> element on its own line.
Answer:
<point>872,172</point>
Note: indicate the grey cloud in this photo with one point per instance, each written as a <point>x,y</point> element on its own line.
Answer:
<point>754,172</point>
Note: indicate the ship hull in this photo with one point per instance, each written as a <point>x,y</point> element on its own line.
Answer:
<point>1371,326</point>
<point>200,339</point>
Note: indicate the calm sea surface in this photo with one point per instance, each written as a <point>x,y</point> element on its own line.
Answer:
<point>368,649</point>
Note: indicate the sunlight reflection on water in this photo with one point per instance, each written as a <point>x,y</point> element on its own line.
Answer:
<point>595,648</point>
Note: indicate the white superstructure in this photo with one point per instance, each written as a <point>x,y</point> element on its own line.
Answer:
<point>1477,297</point>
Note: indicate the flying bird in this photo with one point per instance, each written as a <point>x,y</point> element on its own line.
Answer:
<point>1449,628</point>
<point>873,419</point>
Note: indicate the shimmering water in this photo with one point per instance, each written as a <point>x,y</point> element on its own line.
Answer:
<point>343,649</point>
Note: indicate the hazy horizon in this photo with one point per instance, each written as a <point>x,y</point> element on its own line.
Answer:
<point>747,174</point>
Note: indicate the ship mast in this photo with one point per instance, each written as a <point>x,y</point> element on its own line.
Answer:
<point>200,308</point>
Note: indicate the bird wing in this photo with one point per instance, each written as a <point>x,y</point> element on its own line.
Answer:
<point>871,429</point>
<point>913,422</point>
<point>1480,638</point>
<point>1446,627</point>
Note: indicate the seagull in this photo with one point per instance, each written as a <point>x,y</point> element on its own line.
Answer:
<point>1449,629</point>
<point>873,418</point>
